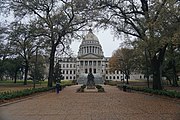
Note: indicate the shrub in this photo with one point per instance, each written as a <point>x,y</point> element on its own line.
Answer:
<point>81,89</point>
<point>98,86</point>
<point>169,93</point>
<point>83,86</point>
<point>101,89</point>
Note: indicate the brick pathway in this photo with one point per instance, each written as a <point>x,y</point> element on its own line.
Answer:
<point>111,105</point>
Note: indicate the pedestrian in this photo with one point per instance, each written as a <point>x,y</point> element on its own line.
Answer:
<point>57,87</point>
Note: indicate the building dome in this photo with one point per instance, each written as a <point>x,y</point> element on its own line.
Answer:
<point>91,36</point>
<point>90,45</point>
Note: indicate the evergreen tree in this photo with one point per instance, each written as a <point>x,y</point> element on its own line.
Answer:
<point>58,74</point>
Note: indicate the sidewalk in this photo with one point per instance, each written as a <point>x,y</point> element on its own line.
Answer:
<point>111,105</point>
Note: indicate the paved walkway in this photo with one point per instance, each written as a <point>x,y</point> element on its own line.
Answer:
<point>111,105</point>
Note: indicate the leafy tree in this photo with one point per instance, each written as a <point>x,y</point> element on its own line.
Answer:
<point>59,20</point>
<point>145,20</point>
<point>23,44</point>
<point>58,74</point>
<point>37,68</point>
<point>123,60</point>
<point>12,67</point>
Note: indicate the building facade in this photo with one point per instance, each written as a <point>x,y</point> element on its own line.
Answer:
<point>91,59</point>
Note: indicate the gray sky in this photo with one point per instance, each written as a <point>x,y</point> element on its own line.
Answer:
<point>108,42</point>
<point>106,38</point>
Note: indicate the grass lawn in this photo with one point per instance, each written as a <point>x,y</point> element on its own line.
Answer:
<point>9,85</point>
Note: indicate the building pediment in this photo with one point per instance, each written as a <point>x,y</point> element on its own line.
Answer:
<point>90,56</point>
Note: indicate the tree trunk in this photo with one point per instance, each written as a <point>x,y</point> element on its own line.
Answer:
<point>169,79</point>
<point>175,83</point>
<point>156,63</point>
<point>26,72</point>
<point>156,74</point>
<point>51,66</point>
<point>127,76</point>
<point>15,77</point>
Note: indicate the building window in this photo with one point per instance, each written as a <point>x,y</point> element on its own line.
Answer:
<point>86,71</point>
<point>66,71</point>
<point>70,65</point>
<point>114,77</point>
<point>81,63</point>
<point>110,77</point>
<point>90,63</point>
<point>117,72</point>
<point>63,65</point>
<point>99,63</point>
<point>70,71</point>
<point>74,66</point>
<point>74,77</point>
<point>106,77</point>
<point>87,49</point>
<point>66,77</point>
<point>117,77</point>
<point>90,70</point>
<point>94,71</point>
<point>67,65</point>
<point>106,72</point>
<point>74,72</point>
<point>94,63</point>
<point>86,63</point>
<point>70,77</point>
<point>140,76</point>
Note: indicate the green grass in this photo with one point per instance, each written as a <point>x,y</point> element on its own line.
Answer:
<point>67,82</point>
<point>9,85</point>
<point>22,82</point>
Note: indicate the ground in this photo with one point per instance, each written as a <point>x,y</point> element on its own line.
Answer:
<point>111,105</point>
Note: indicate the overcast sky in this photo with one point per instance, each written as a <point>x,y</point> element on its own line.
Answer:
<point>106,38</point>
<point>108,42</point>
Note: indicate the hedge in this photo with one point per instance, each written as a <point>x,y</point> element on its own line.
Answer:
<point>169,93</point>
<point>20,93</point>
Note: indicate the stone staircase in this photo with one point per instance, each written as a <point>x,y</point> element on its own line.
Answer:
<point>83,79</point>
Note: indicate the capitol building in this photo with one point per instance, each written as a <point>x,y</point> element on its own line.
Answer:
<point>91,59</point>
